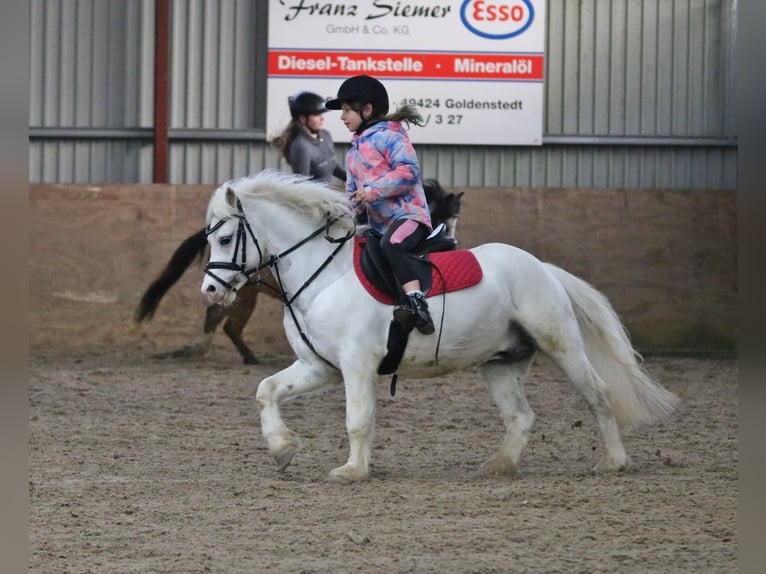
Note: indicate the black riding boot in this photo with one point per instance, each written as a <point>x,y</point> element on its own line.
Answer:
<point>415,313</point>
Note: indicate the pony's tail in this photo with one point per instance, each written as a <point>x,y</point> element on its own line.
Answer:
<point>192,248</point>
<point>636,399</point>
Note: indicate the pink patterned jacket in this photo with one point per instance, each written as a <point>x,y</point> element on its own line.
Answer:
<point>383,162</point>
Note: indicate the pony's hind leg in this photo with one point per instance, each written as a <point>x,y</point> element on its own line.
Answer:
<point>582,374</point>
<point>295,380</point>
<point>505,381</point>
<point>549,319</point>
<point>571,358</point>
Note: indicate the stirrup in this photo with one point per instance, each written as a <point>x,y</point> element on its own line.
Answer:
<point>423,322</point>
<point>406,316</point>
<point>425,325</point>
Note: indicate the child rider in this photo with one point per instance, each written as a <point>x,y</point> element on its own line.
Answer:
<point>383,180</point>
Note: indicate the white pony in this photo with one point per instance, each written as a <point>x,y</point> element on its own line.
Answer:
<point>299,228</point>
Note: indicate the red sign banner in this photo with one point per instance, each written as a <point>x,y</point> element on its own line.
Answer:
<point>415,65</point>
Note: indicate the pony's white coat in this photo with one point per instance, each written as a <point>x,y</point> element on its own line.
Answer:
<point>566,318</point>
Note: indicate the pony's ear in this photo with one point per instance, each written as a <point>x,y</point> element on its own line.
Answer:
<point>461,194</point>
<point>231,198</point>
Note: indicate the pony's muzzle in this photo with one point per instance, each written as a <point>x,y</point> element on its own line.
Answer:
<point>217,290</point>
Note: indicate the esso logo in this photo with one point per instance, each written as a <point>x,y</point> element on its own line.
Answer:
<point>497,19</point>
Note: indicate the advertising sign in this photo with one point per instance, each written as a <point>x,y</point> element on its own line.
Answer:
<point>473,68</point>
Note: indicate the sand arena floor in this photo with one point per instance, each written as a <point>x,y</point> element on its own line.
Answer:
<point>146,465</point>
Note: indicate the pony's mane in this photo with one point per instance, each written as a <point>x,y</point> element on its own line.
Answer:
<point>296,192</point>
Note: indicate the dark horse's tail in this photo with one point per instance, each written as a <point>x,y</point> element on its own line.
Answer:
<point>191,249</point>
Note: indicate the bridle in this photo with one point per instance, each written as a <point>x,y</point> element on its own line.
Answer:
<point>239,262</point>
<point>240,250</point>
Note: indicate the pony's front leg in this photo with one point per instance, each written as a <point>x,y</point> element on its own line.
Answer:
<point>295,380</point>
<point>360,424</point>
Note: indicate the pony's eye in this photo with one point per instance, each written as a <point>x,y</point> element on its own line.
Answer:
<point>225,240</point>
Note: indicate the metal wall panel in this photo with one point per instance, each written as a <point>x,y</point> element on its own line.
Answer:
<point>91,66</point>
<point>88,63</point>
<point>676,167</point>
<point>639,93</point>
<point>639,68</point>
<point>218,59</point>
<point>214,64</point>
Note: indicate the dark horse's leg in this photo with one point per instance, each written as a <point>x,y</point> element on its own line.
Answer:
<point>237,317</point>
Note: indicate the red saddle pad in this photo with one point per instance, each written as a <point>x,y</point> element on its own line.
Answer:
<point>459,268</point>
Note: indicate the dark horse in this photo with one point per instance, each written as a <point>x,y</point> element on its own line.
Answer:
<point>445,208</point>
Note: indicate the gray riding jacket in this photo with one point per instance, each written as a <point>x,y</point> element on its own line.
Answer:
<point>315,157</point>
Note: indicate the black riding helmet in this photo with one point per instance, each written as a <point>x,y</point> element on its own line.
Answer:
<point>363,90</point>
<point>306,104</point>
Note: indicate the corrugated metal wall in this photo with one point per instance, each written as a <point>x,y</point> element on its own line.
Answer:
<point>639,94</point>
<point>90,69</point>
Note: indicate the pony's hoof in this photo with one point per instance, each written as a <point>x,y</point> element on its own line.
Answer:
<point>345,475</point>
<point>250,360</point>
<point>284,455</point>
<point>606,465</point>
<point>497,466</point>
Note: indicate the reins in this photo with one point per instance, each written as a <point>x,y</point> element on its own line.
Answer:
<point>272,262</point>
<point>283,294</point>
